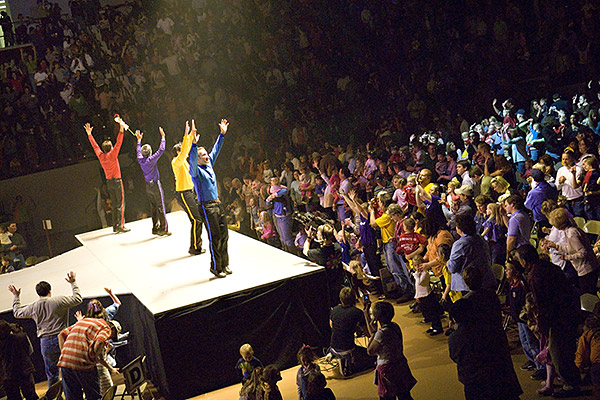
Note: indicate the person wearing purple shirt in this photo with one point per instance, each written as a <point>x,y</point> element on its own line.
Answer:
<point>149,164</point>
<point>519,224</point>
<point>541,192</point>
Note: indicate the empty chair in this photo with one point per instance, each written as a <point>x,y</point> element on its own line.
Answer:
<point>592,227</point>
<point>580,221</point>
<point>53,392</point>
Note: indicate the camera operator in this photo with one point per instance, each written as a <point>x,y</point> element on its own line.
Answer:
<point>326,252</point>
<point>345,320</point>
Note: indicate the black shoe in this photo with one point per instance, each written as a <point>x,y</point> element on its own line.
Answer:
<point>449,332</point>
<point>217,273</point>
<point>539,375</point>
<point>565,393</point>
<point>528,366</point>
<point>164,233</point>
<point>435,332</point>
<point>154,232</point>
<point>227,271</point>
<point>195,252</point>
<point>121,230</point>
<point>429,330</point>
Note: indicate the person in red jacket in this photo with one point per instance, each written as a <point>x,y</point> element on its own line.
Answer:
<point>108,156</point>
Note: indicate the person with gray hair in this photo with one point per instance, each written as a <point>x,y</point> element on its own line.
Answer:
<point>149,164</point>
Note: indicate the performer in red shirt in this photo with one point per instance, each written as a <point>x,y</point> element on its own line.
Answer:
<point>109,160</point>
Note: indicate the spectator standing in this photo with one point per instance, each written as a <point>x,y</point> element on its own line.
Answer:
<point>558,308</point>
<point>519,224</point>
<point>16,368</point>
<point>568,182</point>
<point>392,375</point>
<point>82,345</point>
<point>51,316</point>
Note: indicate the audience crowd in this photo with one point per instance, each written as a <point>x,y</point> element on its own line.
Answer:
<point>361,166</point>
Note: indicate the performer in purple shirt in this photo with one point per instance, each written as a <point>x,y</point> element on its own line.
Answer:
<point>149,164</point>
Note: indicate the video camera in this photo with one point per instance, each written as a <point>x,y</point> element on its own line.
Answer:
<point>311,220</point>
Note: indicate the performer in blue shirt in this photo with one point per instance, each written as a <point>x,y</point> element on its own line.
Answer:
<point>209,205</point>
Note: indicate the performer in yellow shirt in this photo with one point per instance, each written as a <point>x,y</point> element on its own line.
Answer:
<point>184,188</point>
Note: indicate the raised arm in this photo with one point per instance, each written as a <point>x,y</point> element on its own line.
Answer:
<point>88,129</point>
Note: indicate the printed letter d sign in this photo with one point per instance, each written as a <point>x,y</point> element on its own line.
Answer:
<point>134,374</point>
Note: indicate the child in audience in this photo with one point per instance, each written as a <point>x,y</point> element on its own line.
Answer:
<point>588,351</point>
<point>306,358</point>
<point>392,375</point>
<point>481,215</point>
<point>516,301</point>
<point>399,194</point>
<point>269,379</point>
<point>7,265</point>
<point>428,303</point>
<point>410,190</point>
<point>494,231</point>
<point>316,389</point>
<point>449,297</point>
<point>252,387</point>
<point>247,362</point>
<point>265,229</point>
<point>409,242</point>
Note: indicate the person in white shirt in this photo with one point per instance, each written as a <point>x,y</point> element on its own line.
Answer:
<point>166,25</point>
<point>568,182</point>
<point>462,169</point>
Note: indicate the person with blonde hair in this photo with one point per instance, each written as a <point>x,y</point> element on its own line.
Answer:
<point>578,251</point>
<point>502,187</point>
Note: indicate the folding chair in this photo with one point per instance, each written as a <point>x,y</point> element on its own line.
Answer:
<point>53,392</point>
<point>110,393</point>
<point>580,222</point>
<point>592,227</point>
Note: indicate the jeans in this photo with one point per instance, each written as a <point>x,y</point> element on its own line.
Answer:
<point>576,207</point>
<point>283,225</point>
<point>50,354</point>
<point>398,268</point>
<point>75,383</point>
<point>530,344</point>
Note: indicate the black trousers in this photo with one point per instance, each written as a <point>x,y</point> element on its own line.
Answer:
<point>188,202</point>
<point>117,196</point>
<point>213,217</point>
<point>157,207</point>
<point>23,384</point>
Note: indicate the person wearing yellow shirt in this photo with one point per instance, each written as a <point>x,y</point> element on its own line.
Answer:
<point>184,188</point>
<point>394,262</point>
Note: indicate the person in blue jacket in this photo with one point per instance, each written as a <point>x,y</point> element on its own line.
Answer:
<point>209,205</point>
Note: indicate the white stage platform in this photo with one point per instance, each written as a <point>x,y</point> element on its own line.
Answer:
<point>157,270</point>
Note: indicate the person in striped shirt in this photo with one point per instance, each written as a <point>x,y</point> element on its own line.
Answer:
<point>82,345</point>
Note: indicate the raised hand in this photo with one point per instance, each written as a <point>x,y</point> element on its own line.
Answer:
<point>162,133</point>
<point>139,135</point>
<point>88,128</point>
<point>78,315</point>
<point>70,277</point>
<point>193,126</point>
<point>109,291</point>
<point>223,126</point>
<point>14,290</point>
<point>187,128</point>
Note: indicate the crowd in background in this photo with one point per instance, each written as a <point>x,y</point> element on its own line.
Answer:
<point>393,175</point>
